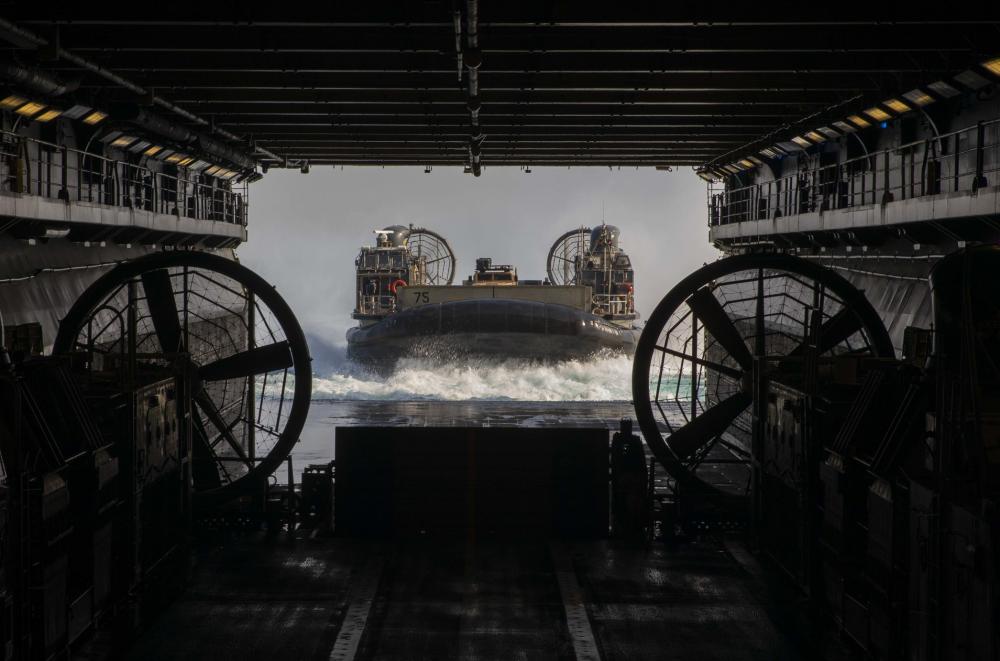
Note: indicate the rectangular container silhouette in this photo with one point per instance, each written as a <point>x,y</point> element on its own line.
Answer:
<point>492,481</point>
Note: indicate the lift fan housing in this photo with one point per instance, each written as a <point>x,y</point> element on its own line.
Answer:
<point>228,333</point>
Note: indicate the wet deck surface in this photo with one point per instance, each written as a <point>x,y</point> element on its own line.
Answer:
<point>330,598</point>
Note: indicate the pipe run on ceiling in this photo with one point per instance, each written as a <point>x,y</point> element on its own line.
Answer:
<point>161,126</point>
<point>35,80</point>
<point>473,58</point>
<point>30,37</point>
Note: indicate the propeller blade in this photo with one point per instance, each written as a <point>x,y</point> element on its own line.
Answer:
<point>695,434</point>
<point>207,406</point>
<point>706,307</point>
<point>269,358</point>
<point>163,309</point>
<point>834,330</point>
<point>715,367</point>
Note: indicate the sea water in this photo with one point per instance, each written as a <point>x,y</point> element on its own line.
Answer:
<point>426,392</point>
<point>601,379</point>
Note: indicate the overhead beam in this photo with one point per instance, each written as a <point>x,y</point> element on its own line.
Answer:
<point>760,62</point>
<point>526,37</point>
<point>433,82</point>
<point>206,97</point>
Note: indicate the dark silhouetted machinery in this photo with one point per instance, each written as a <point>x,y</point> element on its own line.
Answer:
<point>766,385</point>
<point>179,381</point>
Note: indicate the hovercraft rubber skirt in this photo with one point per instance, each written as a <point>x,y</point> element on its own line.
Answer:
<point>493,328</point>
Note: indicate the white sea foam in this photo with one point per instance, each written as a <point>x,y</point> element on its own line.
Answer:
<point>601,379</point>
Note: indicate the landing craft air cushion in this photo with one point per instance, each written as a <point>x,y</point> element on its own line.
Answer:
<point>406,304</point>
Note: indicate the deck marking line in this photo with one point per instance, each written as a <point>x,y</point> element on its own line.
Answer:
<point>362,595</point>
<point>580,633</point>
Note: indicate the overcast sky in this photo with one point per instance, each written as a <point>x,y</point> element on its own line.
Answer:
<point>306,229</point>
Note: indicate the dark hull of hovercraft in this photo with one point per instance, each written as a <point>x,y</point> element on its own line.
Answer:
<point>495,329</point>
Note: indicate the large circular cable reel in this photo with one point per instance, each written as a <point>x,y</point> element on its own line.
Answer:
<point>561,263</point>
<point>434,248</point>
<point>229,333</point>
<point>715,341</point>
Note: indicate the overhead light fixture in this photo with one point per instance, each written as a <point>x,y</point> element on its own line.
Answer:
<point>153,150</point>
<point>228,174</point>
<point>12,101</point>
<point>139,146</point>
<point>828,132</point>
<point>755,160</point>
<point>943,89</point>
<point>48,115</point>
<point>971,79</point>
<point>705,175</point>
<point>214,170</point>
<point>30,108</point>
<point>815,137</point>
<point>197,165</point>
<point>859,121</point>
<point>878,114</point>
<point>993,66</point>
<point>801,142</point>
<point>95,117</point>
<point>747,163</point>
<point>918,97</point>
<point>731,169</point>
<point>176,157</point>
<point>76,112</point>
<point>123,141</point>
<point>186,161</point>
<point>770,153</point>
<point>844,127</point>
<point>164,154</point>
<point>897,106</point>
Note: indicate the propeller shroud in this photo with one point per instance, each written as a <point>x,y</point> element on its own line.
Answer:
<point>560,265</point>
<point>714,342</point>
<point>230,332</point>
<point>435,248</point>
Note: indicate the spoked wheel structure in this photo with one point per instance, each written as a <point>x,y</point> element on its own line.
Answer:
<point>715,341</point>
<point>224,328</point>
<point>440,259</point>
<point>562,263</point>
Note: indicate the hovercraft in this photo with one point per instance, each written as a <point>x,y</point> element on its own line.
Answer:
<point>407,306</point>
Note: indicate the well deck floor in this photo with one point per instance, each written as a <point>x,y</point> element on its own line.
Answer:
<point>421,598</point>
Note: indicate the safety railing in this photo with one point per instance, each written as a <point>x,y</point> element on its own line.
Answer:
<point>36,167</point>
<point>963,160</point>
<point>376,305</point>
<point>615,305</point>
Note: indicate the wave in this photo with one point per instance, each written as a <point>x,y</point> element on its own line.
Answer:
<point>600,379</point>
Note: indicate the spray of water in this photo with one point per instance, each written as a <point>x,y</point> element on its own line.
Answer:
<point>600,379</point>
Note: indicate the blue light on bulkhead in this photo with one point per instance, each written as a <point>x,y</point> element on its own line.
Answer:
<point>884,125</point>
